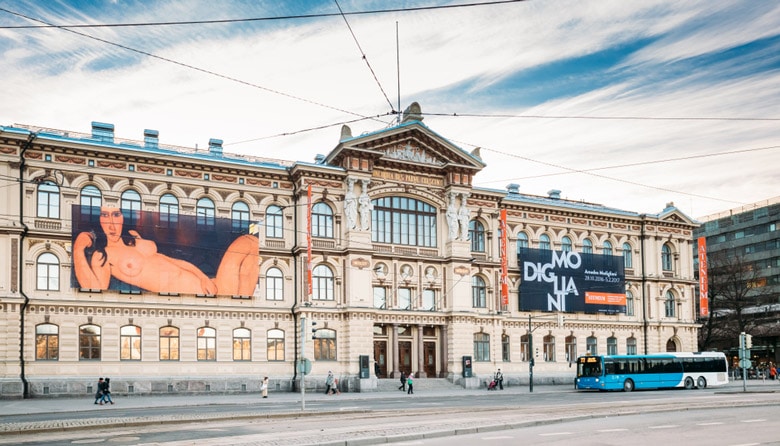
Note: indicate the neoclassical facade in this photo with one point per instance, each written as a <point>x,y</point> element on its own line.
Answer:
<point>404,254</point>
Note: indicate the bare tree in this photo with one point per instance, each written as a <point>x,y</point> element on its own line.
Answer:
<point>738,297</point>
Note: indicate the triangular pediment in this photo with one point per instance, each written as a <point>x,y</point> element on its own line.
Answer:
<point>673,214</point>
<point>409,143</point>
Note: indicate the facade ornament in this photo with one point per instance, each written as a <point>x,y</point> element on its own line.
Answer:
<point>365,207</point>
<point>452,217</point>
<point>350,204</point>
<point>463,218</point>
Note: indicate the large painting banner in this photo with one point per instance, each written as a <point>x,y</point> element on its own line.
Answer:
<point>571,282</point>
<point>133,250</point>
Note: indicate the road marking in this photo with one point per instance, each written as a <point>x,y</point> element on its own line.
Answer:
<point>503,437</point>
<point>758,420</point>
<point>611,430</point>
<point>712,423</point>
<point>555,433</point>
<point>665,426</point>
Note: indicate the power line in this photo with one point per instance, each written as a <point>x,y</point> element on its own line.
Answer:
<point>259,19</point>
<point>364,57</point>
<point>625,118</point>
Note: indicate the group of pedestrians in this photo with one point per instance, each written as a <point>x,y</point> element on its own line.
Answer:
<point>407,383</point>
<point>103,393</point>
<point>332,385</point>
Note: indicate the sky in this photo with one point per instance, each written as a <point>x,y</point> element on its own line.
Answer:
<point>629,104</point>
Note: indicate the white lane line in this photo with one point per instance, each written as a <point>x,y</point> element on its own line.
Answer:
<point>665,426</point>
<point>501,437</point>
<point>712,423</point>
<point>611,430</point>
<point>746,444</point>
<point>555,433</point>
<point>758,420</point>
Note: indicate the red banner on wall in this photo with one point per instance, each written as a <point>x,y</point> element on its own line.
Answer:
<point>704,301</point>
<point>504,260</point>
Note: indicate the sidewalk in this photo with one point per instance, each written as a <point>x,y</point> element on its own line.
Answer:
<point>60,405</point>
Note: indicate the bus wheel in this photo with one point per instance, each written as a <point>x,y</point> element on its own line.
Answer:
<point>628,385</point>
<point>701,382</point>
<point>689,383</point>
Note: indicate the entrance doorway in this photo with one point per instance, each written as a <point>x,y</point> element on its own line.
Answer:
<point>405,356</point>
<point>380,356</point>
<point>429,364</point>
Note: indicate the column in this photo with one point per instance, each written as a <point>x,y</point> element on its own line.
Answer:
<point>420,353</point>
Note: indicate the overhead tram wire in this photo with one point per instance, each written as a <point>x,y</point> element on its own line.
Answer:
<point>192,67</point>
<point>364,57</point>
<point>602,118</point>
<point>261,19</point>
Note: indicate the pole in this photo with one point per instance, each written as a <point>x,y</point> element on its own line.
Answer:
<point>531,353</point>
<point>302,363</point>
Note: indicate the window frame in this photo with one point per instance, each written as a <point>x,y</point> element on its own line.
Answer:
<point>167,345</point>
<point>206,344</point>
<point>274,345</point>
<point>47,342</point>
<point>130,343</point>
<point>48,200</point>
<point>90,343</point>
<point>274,222</point>
<point>47,272</point>
<point>242,344</point>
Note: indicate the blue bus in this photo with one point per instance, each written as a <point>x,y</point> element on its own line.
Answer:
<point>658,371</point>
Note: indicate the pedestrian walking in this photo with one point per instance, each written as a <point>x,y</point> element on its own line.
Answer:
<point>106,392</point>
<point>402,387</point>
<point>329,382</point>
<point>499,379</point>
<point>264,387</point>
<point>99,391</point>
<point>410,384</point>
<point>335,389</point>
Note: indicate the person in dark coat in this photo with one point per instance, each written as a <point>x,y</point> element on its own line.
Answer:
<point>99,392</point>
<point>403,381</point>
<point>106,392</point>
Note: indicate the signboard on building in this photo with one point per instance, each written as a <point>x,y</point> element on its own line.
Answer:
<point>569,281</point>
<point>134,251</point>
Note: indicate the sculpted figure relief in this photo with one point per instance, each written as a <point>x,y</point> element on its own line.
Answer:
<point>350,204</point>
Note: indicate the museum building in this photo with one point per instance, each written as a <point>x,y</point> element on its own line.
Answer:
<point>182,270</point>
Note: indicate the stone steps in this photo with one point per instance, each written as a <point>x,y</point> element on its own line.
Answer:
<point>390,384</point>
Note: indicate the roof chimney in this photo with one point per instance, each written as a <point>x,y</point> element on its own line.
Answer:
<point>215,147</point>
<point>151,138</point>
<point>555,194</point>
<point>513,188</point>
<point>102,131</point>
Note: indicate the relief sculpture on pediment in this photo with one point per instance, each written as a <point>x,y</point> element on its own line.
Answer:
<point>407,152</point>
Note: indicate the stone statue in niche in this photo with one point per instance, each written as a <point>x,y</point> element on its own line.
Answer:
<point>463,218</point>
<point>365,207</point>
<point>350,204</point>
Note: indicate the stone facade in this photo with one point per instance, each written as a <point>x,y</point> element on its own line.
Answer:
<point>425,323</point>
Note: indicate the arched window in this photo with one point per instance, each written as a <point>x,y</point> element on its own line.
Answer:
<point>481,347</point>
<point>592,345</point>
<point>612,345</point>
<point>89,342</point>
<point>549,348</point>
<point>629,303</point>
<point>587,246</point>
<point>130,343</point>
<point>325,345</point>
<point>477,236</point>
<point>566,244</point>
<point>671,346</point>
<point>666,257</point>
<point>275,345</point>
<point>207,344</point>
<point>169,211</point>
<point>607,248</point>
<point>90,202</point>
<point>669,304</point>
<point>478,292</point>
<point>274,284</point>
<point>242,344</point>
<point>522,241</point>
<point>321,220</point>
<point>47,342</point>
<point>571,348</point>
<point>48,272</point>
<point>205,214</point>
<point>505,345</point>
<point>403,221</point>
<point>628,258</point>
<point>525,354</point>
<point>130,203</point>
<point>322,283</point>
<point>274,223</point>
<point>240,217</point>
<point>169,344</point>
<point>544,242</point>
<point>48,200</point>
<point>631,346</point>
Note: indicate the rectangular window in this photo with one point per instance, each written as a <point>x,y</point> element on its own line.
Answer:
<point>405,298</point>
<point>428,300</point>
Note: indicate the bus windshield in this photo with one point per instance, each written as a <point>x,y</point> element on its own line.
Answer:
<point>589,366</point>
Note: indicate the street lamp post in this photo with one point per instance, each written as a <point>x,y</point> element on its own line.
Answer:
<point>531,350</point>
<point>302,363</point>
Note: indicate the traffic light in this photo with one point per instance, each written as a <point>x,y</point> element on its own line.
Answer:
<point>748,341</point>
<point>313,330</point>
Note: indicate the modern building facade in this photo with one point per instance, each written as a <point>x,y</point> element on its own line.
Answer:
<point>404,253</point>
<point>750,236</point>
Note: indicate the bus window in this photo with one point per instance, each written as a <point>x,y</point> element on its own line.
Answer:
<point>589,366</point>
